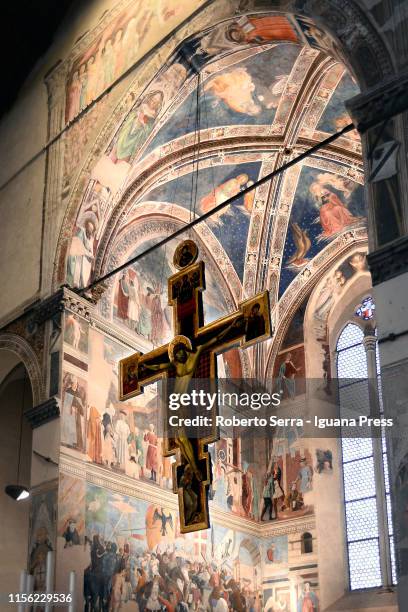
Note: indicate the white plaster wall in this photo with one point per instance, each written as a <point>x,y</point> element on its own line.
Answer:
<point>23,134</point>
<point>20,237</point>
<point>14,515</point>
<point>391,299</point>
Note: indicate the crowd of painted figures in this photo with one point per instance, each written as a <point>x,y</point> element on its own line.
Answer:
<point>144,581</point>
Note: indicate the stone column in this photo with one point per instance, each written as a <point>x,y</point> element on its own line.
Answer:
<point>53,190</point>
<point>370,345</point>
<point>380,114</point>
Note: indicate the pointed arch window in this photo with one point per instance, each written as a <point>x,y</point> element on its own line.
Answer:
<point>369,535</point>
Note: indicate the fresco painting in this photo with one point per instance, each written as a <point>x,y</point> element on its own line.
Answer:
<point>324,206</point>
<point>246,93</point>
<point>335,117</point>
<point>133,557</point>
<point>295,333</point>
<point>308,600</point>
<point>236,478</point>
<point>82,250</point>
<point>42,534</point>
<point>71,520</point>
<point>118,47</point>
<point>290,372</point>
<point>263,80</point>
<point>76,332</point>
<point>122,436</point>
<point>244,31</point>
<point>137,558</point>
<point>318,38</point>
<point>140,299</point>
<point>290,471</point>
<point>131,134</point>
<point>74,408</point>
<point>275,550</point>
<point>215,185</point>
<point>332,289</point>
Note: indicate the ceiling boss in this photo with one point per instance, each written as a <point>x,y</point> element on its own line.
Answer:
<point>192,355</point>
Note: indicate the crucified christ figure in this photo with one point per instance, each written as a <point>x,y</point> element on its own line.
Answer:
<point>184,359</point>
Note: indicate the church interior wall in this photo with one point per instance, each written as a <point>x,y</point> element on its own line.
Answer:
<point>106,491</point>
<point>270,567</point>
<point>20,235</point>
<point>15,396</point>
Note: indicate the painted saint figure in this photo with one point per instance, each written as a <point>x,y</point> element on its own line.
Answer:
<point>308,601</point>
<point>151,455</point>
<point>157,316</point>
<point>287,372</point>
<point>73,330</point>
<point>136,127</point>
<point>109,441</point>
<point>267,495</point>
<point>123,296</point>
<point>261,29</point>
<point>122,431</point>
<point>334,216</point>
<point>255,323</point>
<point>81,255</point>
<point>94,436</point>
<point>235,89</point>
<point>134,306</point>
<point>83,82</point>
<point>71,535</point>
<point>278,494</point>
<point>73,96</point>
<point>73,414</point>
<point>304,477</point>
<point>225,191</point>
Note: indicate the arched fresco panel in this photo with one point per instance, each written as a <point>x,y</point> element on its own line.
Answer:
<point>215,185</point>
<point>246,92</point>
<point>325,205</point>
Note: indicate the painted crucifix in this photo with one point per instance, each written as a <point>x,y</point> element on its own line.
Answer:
<point>192,355</point>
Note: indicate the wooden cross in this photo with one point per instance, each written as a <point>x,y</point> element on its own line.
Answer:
<point>191,355</point>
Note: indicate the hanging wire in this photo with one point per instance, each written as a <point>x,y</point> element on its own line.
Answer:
<point>173,199</point>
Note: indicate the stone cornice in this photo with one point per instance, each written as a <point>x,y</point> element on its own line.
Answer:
<point>379,103</point>
<point>43,413</point>
<point>389,261</point>
<point>143,490</point>
<point>116,332</point>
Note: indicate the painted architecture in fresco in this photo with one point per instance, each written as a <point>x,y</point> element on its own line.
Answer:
<point>301,236</point>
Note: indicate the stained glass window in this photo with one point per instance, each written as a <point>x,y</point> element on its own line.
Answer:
<point>366,309</point>
<point>362,506</point>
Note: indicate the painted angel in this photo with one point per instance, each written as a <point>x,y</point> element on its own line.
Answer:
<point>225,191</point>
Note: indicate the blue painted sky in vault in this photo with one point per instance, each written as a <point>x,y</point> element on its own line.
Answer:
<point>231,228</point>
<point>263,70</point>
<point>305,213</point>
<point>336,109</point>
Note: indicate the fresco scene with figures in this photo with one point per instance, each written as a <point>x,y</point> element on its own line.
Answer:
<point>134,557</point>
<point>212,217</point>
<point>140,189</point>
